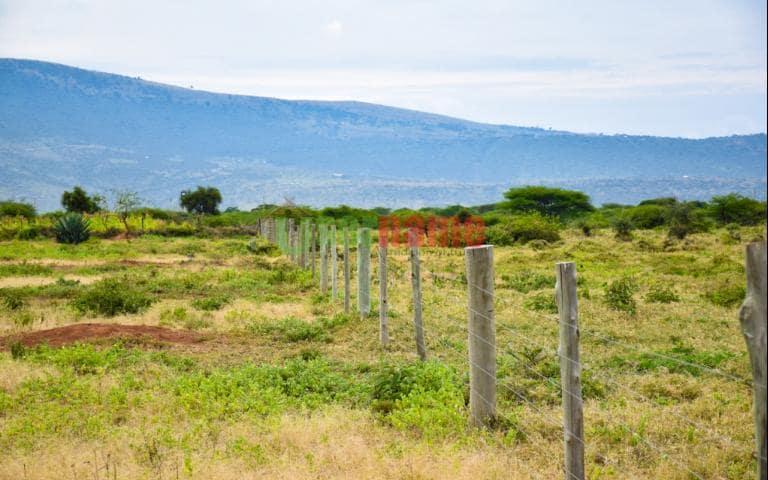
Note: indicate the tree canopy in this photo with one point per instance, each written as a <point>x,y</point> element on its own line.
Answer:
<point>735,208</point>
<point>553,202</point>
<point>203,200</point>
<point>79,201</point>
<point>10,208</point>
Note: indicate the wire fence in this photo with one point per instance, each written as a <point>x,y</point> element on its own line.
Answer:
<point>446,298</point>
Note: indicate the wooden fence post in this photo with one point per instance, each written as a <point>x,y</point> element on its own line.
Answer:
<point>312,246</point>
<point>383,327</point>
<point>570,370</point>
<point>346,270</point>
<point>752,318</point>
<point>418,324</point>
<point>323,231</point>
<point>334,266</point>
<point>482,335</point>
<point>363,271</point>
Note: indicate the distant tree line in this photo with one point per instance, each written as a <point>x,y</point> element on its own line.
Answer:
<point>524,214</point>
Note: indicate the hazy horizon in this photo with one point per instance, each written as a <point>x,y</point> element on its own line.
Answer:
<point>692,69</point>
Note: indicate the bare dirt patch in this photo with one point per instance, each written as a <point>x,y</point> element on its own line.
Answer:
<point>79,332</point>
<point>14,282</point>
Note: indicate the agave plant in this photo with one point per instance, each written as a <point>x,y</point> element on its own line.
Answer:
<point>72,228</point>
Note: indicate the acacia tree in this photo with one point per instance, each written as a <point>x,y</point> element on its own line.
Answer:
<point>126,202</point>
<point>202,201</point>
<point>79,201</point>
<point>551,202</point>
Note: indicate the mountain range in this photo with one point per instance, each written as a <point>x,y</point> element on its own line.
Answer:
<point>61,126</point>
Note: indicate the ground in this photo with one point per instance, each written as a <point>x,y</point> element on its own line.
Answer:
<point>198,358</point>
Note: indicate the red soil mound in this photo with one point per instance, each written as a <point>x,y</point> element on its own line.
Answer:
<point>96,331</point>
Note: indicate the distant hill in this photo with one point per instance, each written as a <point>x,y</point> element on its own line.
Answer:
<point>61,126</point>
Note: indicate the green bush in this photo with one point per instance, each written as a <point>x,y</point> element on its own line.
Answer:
<point>524,228</point>
<point>17,209</point>
<point>110,297</point>
<point>729,295</point>
<point>72,228</point>
<point>619,295</point>
<point>659,293</point>
<point>528,281</point>
<point>735,208</point>
<point>541,302</point>
<point>622,227</point>
<point>425,397</point>
<point>211,303</point>
<point>648,216</point>
<point>261,246</point>
<point>293,329</point>
<point>30,232</point>
<point>13,300</point>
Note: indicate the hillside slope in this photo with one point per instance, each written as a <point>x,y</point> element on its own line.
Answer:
<point>61,125</point>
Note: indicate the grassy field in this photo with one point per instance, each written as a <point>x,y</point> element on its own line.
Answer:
<point>280,383</point>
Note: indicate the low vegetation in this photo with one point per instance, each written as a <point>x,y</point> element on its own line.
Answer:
<point>279,380</point>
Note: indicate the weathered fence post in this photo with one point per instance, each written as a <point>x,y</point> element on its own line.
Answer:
<point>323,231</point>
<point>303,243</point>
<point>346,270</point>
<point>383,328</point>
<point>752,318</point>
<point>290,224</point>
<point>418,325</point>
<point>363,272</point>
<point>482,335</point>
<point>570,370</point>
<point>312,246</point>
<point>334,266</point>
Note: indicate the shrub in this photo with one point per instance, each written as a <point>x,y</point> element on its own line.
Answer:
<point>622,227</point>
<point>261,246</point>
<point>210,303</point>
<point>728,296</point>
<point>29,232</point>
<point>426,396</point>
<point>619,295</point>
<point>524,228</point>
<point>111,297</point>
<point>661,294</point>
<point>17,209</point>
<point>13,300</point>
<point>72,228</point>
<point>293,329</point>
<point>541,302</point>
<point>525,282</point>
<point>736,208</point>
<point>648,216</point>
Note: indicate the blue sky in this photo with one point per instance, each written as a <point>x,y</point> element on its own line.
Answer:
<point>674,67</point>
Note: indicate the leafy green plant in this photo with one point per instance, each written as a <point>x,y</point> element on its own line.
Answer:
<point>13,299</point>
<point>293,329</point>
<point>541,302</point>
<point>211,303</point>
<point>728,295</point>
<point>523,229</point>
<point>528,281</point>
<point>659,293</point>
<point>622,227</point>
<point>619,295</point>
<point>72,228</point>
<point>110,297</point>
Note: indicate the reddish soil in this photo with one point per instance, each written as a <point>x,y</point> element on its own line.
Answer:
<point>56,337</point>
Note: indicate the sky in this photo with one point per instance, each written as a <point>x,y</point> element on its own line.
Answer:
<point>684,68</point>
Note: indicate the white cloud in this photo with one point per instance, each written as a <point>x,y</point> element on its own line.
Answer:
<point>334,27</point>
